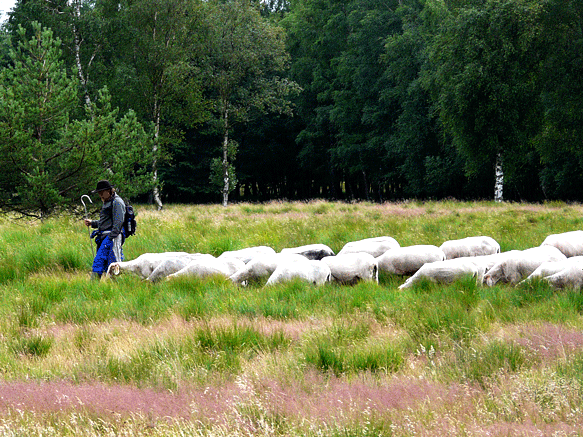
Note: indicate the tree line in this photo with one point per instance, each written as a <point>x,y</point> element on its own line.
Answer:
<point>221,100</point>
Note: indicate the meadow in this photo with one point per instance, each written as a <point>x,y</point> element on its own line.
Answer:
<point>197,357</point>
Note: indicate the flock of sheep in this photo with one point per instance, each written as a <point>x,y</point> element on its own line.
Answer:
<point>558,260</point>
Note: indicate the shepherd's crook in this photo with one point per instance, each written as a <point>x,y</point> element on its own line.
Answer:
<point>86,217</point>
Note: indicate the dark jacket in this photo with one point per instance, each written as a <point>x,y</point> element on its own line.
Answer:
<point>111,217</point>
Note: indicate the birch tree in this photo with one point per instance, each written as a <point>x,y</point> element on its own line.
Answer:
<point>486,61</point>
<point>245,55</point>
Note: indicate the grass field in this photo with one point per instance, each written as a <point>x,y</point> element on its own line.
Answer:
<point>199,357</point>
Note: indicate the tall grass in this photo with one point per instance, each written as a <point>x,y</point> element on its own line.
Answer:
<point>291,359</point>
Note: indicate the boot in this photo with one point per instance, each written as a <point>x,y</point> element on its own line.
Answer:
<point>95,276</point>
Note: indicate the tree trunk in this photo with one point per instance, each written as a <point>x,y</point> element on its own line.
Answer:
<point>83,76</point>
<point>499,184</point>
<point>156,191</point>
<point>226,159</point>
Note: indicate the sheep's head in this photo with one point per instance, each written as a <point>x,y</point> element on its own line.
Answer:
<point>113,269</point>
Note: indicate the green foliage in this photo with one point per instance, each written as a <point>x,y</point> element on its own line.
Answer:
<point>49,160</point>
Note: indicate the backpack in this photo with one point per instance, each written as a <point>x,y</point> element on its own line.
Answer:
<point>129,221</point>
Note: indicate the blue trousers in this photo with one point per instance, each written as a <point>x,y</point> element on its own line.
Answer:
<point>109,251</point>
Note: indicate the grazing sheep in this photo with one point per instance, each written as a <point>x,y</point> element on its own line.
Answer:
<point>205,266</point>
<point>570,277</point>
<point>172,265</point>
<point>549,268</point>
<point>446,272</point>
<point>470,246</point>
<point>310,251</point>
<point>407,260</point>
<point>261,266</point>
<point>143,265</point>
<point>314,271</point>
<point>248,253</point>
<point>352,267</point>
<point>489,261</point>
<point>376,246</point>
<point>569,243</point>
<point>520,264</point>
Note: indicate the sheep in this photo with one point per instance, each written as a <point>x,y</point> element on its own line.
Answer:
<point>172,265</point>
<point>248,253</point>
<point>376,246</point>
<point>407,260</point>
<point>316,272</point>
<point>470,246</point>
<point>446,272</point>
<point>205,266</point>
<point>144,264</point>
<point>352,267</point>
<point>310,251</point>
<point>570,277</point>
<point>520,264</point>
<point>489,261</point>
<point>570,243</point>
<point>261,266</point>
<point>549,268</point>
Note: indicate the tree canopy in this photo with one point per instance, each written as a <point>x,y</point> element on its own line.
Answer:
<point>296,99</point>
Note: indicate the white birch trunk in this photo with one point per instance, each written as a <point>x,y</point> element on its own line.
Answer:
<point>156,191</point>
<point>226,160</point>
<point>83,76</point>
<point>499,184</point>
<point>157,111</point>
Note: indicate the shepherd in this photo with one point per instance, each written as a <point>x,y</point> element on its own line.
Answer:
<point>109,234</point>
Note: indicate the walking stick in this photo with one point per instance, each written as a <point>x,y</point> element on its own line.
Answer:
<point>86,217</point>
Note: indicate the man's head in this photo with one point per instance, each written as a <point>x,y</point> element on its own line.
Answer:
<point>104,189</point>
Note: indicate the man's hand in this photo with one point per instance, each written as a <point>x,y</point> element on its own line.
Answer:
<point>87,222</point>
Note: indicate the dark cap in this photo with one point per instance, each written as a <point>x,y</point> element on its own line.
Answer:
<point>102,185</point>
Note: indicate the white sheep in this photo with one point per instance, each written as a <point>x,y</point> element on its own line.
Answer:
<point>570,277</point>
<point>350,268</point>
<point>261,267</point>
<point>520,264</point>
<point>376,246</point>
<point>172,265</point>
<point>549,268</point>
<point>248,253</point>
<point>310,251</point>
<point>143,265</point>
<point>470,246</point>
<point>570,243</point>
<point>489,261</point>
<point>205,266</point>
<point>446,272</point>
<point>407,260</point>
<point>314,271</point>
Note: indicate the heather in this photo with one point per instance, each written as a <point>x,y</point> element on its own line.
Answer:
<point>205,357</point>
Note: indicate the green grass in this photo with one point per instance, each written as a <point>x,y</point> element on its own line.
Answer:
<point>194,334</point>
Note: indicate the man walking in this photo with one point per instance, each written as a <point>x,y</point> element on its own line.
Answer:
<point>109,235</point>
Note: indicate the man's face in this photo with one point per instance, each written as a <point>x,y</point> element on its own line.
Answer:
<point>104,195</point>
